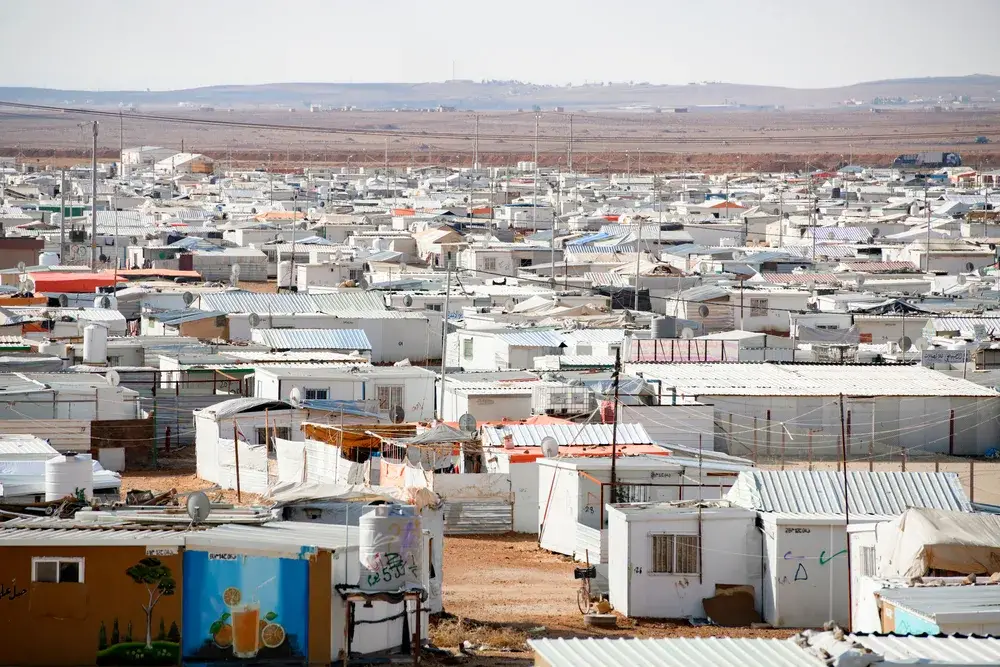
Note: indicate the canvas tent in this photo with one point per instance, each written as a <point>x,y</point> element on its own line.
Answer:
<point>920,541</point>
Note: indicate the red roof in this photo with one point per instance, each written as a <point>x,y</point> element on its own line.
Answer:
<point>54,281</point>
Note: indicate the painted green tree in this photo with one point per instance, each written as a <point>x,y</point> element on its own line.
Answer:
<point>114,633</point>
<point>174,633</point>
<point>162,635</point>
<point>102,638</point>
<point>159,581</point>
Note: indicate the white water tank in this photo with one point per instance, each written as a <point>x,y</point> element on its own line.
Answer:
<point>48,259</point>
<point>95,345</point>
<point>284,273</point>
<point>390,548</point>
<point>64,475</point>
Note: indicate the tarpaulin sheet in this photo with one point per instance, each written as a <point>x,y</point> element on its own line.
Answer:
<point>55,281</point>
<point>921,540</point>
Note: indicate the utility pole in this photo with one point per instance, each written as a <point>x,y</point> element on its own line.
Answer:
<point>614,428</point>
<point>475,151</point>
<point>638,255</point>
<point>812,218</point>
<point>781,216</point>
<point>927,208</point>
<point>570,159</point>
<point>534,186</point>
<point>121,145</point>
<point>847,507</point>
<point>93,203</point>
<point>444,335</point>
<point>552,238</point>
<point>295,221</point>
<point>62,218</point>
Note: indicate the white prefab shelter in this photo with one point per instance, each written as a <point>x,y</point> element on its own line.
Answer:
<point>802,515</point>
<point>257,421</point>
<point>886,407</point>
<point>664,559</point>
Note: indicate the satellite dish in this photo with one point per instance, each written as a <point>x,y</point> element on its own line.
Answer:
<point>876,232</point>
<point>922,344</point>
<point>188,298</point>
<point>703,310</point>
<point>112,378</point>
<point>254,319</point>
<point>105,302</point>
<point>63,300</point>
<point>509,304</point>
<point>468,423</point>
<point>235,271</point>
<point>962,279</point>
<point>407,300</point>
<point>687,333</point>
<point>397,414</point>
<point>198,506</point>
<point>20,266</point>
<point>969,266</point>
<point>550,447</point>
<point>295,397</point>
<point>861,280</point>
<point>905,343</point>
<point>134,240</point>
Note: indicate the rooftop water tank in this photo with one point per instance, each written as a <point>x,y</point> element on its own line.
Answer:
<point>48,259</point>
<point>390,548</point>
<point>67,474</point>
<point>95,345</point>
<point>663,327</point>
<point>284,273</point>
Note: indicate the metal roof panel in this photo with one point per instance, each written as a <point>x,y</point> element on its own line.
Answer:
<point>672,652</point>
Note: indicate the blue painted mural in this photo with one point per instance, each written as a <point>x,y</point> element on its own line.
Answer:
<point>911,624</point>
<point>244,608</point>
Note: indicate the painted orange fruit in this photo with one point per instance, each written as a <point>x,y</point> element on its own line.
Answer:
<point>260,628</point>
<point>224,637</point>
<point>272,636</point>
<point>232,596</point>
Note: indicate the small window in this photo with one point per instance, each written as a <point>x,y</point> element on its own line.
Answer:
<point>525,262</point>
<point>57,570</point>
<point>674,554</point>
<point>317,394</point>
<point>758,307</point>
<point>283,432</point>
<point>436,307</point>
<point>389,397</point>
<point>489,264</point>
<point>467,348</point>
<point>828,327</point>
<point>867,561</point>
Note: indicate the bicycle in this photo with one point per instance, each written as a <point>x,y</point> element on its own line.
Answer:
<point>584,600</point>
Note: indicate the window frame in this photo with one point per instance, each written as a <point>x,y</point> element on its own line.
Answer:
<point>869,563</point>
<point>489,263</point>
<point>315,392</point>
<point>80,561</point>
<point>759,307</point>
<point>390,388</point>
<point>690,542</point>
<point>468,346</point>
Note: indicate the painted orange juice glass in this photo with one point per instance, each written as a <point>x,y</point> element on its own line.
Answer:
<point>246,630</point>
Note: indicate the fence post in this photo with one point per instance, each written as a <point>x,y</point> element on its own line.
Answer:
<point>972,480</point>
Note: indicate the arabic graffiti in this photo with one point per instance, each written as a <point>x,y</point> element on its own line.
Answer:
<point>393,568</point>
<point>11,593</point>
<point>801,574</point>
<point>823,560</point>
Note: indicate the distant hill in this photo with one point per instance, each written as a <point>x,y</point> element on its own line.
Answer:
<point>979,88</point>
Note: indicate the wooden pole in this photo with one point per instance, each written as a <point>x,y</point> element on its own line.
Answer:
<point>236,451</point>
<point>847,507</point>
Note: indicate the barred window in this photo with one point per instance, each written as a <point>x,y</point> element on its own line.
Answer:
<point>867,561</point>
<point>675,554</point>
<point>758,307</point>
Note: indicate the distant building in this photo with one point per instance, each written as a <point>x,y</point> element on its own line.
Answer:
<point>185,163</point>
<point>146,155</point>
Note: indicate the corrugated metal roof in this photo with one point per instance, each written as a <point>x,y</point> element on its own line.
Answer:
<point>703,293</point>
<point>235,406</point>
<point>531,435</point>
<point>21,445</point>
<point>605,278</point>
<point>349,301</point>
<point>946,649</point>
<point>57,532</point>
<point>939,601</point>
<point>822,491</point>
<point>595,335</point>
<point>752,379</point>
<point>312,339</point>
<point>531,338</point>
<point>966,325</point>
<point>673,652</point>
<point>240,301</point>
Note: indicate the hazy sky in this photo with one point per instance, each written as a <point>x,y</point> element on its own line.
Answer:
<point>168,44</point>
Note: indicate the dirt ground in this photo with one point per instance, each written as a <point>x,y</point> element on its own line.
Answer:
<point>505,589</point>
<point>602,142</point>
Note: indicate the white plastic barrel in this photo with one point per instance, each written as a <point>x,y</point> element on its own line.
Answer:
<point>48,259</point>
<point>284,273</point>
<point>64,475</point>
<point>390,548</point>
